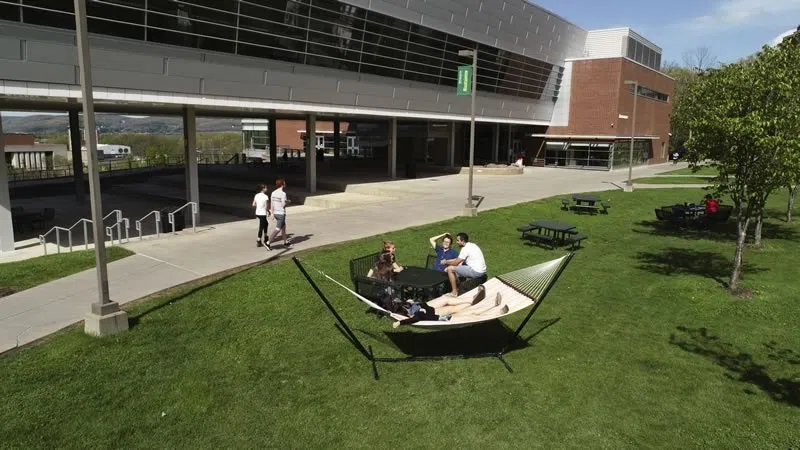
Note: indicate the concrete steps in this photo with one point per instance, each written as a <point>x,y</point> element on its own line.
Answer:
<point>342,200</point>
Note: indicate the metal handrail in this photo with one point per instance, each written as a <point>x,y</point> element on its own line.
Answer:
<point>171,216</point>
<point>43,238</point>
<point>85,233</point>
<point>138,223</point>
<point>117,223</point>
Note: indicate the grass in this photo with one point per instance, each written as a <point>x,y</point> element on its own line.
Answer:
<point>638,345</point>
<point>710,171</point>
<point>20,275</point>
<point>673,180</point>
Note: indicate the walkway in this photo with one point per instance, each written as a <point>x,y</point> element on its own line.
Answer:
<point>163,263</point>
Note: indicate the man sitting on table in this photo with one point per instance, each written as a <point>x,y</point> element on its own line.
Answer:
<point>469,264</point>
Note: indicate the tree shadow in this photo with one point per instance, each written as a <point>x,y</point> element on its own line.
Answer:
<point>742,366</point>
<point>721,231</point>
<point>680,261</point>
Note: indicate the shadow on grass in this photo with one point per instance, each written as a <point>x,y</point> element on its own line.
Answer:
<point>489,337</point>
<point>742,366</point>
<point>680,261</point>
<point>724,231</point>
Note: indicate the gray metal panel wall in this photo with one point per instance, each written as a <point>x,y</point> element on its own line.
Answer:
<point>513,25</point>
<point>49,57</point>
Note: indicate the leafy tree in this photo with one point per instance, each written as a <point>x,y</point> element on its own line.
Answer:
<point>731,111</point>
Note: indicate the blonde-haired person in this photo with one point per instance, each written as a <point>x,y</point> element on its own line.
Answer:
<point>390,248</point>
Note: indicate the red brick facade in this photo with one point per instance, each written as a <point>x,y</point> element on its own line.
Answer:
<point>599,95</point>
<point>18,139</point>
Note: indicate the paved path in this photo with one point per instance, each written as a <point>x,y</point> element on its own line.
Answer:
<point>167,262</point>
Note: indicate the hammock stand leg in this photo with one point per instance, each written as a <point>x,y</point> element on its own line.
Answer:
<point>536,306</point>
<point>345,329</point>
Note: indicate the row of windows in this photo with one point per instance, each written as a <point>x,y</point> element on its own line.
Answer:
<point>643,54</point>
<point>649,93</point>
<point>323,33</point>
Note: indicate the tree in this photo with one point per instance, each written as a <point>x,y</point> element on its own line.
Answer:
<point>727,111</point>
<point>700,59</point>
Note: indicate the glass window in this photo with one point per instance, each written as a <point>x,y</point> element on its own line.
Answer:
<point>10,12</point>
<point>122,18</point>
<point>488,68</point>
<point>657,65</point>
<point>639,50</point>
<point>335,34</point>
<point>451,59</point>
<point>631,48</point>
<point>276,32</point>
<point>385,44</point>
<point>52,13</point>
<point>425,53</point>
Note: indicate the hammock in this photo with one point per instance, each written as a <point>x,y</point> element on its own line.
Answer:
<point>520,289</point>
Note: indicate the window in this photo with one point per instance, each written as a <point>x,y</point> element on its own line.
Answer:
<point>425,53</point>
<point>52,13</point>
<point>385,44</point>
<point>10,12</point>
<point>334,35</point>
<point>122,18</point>
<point>655,95</point>
<point>273,33</point>
<point>631,48</point>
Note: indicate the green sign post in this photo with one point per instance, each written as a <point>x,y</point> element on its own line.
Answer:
<point>464,80</point>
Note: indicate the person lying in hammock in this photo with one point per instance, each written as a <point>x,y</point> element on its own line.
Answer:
<point>445,308</point>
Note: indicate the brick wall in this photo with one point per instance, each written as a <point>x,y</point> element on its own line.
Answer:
<point>599,96</point>
<point>18,139</point>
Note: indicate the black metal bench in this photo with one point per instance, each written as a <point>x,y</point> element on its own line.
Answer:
<point>574,240</point>
<point>525,230</point>
<point>370,288</point>
<point>543,239</point>
<point>589,209</point>
<point>606,206</point>
<point>565,204</point>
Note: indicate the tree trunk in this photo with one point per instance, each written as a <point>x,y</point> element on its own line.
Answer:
<point>738,259</point>
<point>792,196</point>
<point>759,226</point>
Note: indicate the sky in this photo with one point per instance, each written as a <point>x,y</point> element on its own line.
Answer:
<point>732,29</point>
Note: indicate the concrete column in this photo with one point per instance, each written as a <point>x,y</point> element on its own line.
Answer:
<point>190,157</point>
<point>77,155</point>
<point>40,161</point>
<point>393,148</point>
<point>273,142</point>
<point>337,138</point>
<point>496,143</point>
<point>28,164</point>
<point>6,226</point>
<point>311,153</point>
<point>451,148</point>
<point>510,144</point>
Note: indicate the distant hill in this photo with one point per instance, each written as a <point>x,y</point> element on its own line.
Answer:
<point>41,124</point>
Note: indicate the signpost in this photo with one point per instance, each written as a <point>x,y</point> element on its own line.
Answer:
<point>466,86</point>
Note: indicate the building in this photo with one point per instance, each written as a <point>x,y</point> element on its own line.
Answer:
<point>22,152</point>
<point>546,87</point>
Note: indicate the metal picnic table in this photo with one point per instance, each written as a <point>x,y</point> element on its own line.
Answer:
<point>420,282</point>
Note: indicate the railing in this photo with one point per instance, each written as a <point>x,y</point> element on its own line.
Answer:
<point>107,166</point>
<point>157,215</point>
<point>43,238</point>
<point>171,216</point>
<point>85,233</point>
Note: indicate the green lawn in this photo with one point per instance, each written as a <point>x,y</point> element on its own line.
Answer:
<point>637,346</point>
<point>20,275</point>
<point>704,170</point>
<point>672,180</point>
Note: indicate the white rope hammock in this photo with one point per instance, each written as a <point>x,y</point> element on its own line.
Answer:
<point>519,290</point>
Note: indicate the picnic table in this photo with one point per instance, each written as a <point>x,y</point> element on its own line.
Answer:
<point>420,282</point>
<point>585,203</point>
<point>547,232</point>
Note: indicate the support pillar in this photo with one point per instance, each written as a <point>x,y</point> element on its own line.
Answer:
<point>451,147</point>
<point>337,138</point>
<point>273,143</point>
<point>393,148</point>
<point>510,145</point>
<point>496,143</point>
<point>190,157</point>
<point>311,153</point>
<point>77,156</point>
<point>6,226</point>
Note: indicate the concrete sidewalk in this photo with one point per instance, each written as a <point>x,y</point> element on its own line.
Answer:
<point>163,263</point>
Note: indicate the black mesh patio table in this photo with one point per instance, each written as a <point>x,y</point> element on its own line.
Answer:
<point>421,282</point>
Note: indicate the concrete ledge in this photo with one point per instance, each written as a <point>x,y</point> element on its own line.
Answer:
<point>483,170</point>
<point>106,325</point>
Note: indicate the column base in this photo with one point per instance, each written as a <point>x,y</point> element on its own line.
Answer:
<point>105,325</point>
<point>469,211</point>
<point>627,187</point>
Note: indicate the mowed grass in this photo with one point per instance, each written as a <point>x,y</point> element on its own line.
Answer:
<point>673,180</point>
<point>638,345</point>
<point>20,275</point>
<point>703,170</point>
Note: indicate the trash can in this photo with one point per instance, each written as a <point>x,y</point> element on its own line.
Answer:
<point>411,170</point>
<point>180,220</point>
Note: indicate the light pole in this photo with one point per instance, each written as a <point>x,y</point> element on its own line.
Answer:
<point>469,208</point>
<point>106,317</point>
<point>635,84</point>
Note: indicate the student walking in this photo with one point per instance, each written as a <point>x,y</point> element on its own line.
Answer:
<point>261,204</point>
<point>278,210</point>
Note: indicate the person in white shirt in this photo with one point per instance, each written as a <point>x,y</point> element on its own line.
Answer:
<point>261,204</point>
<point>278,210</point>
<point>469,264</point>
